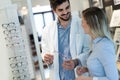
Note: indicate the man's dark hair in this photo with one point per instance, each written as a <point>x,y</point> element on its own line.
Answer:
<point>55,3</point>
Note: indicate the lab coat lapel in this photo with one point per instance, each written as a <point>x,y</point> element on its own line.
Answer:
<point>75,38</point>
<point>54,49</point>
<point>72,39</point>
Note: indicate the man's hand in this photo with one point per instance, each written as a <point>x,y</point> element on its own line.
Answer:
<point>48,58</point>
<point>68,64</point>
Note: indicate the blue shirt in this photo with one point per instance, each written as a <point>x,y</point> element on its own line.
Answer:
<point>64,51</point>
<point>101,62</point>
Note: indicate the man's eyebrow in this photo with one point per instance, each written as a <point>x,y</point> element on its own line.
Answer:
<point>60,9</point>
<point>67,6</point>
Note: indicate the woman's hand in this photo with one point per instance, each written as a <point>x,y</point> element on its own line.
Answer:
<point>84,78</point>
<point>81,70</point>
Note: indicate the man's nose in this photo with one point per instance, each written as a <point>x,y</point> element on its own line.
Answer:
<point>65,11</point>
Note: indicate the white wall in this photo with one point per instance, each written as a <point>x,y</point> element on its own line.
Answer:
<point>85,4</point>
<point>76,5</point>
<point>40,2</point>
<point>4,2</point>
<point>79,5</point>
<point>3,58</point>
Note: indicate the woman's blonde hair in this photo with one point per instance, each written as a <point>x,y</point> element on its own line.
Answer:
<point>97,21</point>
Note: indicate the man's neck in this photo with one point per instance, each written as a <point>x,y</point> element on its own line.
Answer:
<point>64,24</point>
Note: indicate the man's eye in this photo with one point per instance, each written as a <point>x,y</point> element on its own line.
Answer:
<point>67,7</point>
<point>60,10</point>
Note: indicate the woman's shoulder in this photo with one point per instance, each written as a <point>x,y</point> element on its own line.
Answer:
<point>105,42</point>
<point>106,46</point>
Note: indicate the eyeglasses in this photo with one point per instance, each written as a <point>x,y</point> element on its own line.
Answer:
<point>22,77</point>
<point>19,71</point>
<point>63,56</point>
<point>13,38</point>
<point>9,25</point>
<point>15,43</point>
<point>17,58</point>
<point>17,49</point>
<point>12,34</point>
<point>18,64</point>
<point>11,31</point>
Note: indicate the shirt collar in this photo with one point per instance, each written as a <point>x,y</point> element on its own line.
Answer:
<point>58,22</point>
<point>96,40</point>
<point>59,25</point>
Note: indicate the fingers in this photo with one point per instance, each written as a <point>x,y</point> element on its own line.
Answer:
<point>79,78</point>
<point>68,65</point>
<point>81,70</point>
<point>48,58</point>
<point>84,69</point>
<point>78,71</point>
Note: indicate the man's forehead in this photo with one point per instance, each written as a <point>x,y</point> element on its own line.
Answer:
<point>63,5</point>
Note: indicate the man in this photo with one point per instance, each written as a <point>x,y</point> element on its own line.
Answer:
<point>63,42</point>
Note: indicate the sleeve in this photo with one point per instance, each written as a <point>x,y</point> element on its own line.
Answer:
<point>44,41</point>
<point>107,58</point>
<point>95,78</point>
<point>85,51</point>
<point>83,55</point>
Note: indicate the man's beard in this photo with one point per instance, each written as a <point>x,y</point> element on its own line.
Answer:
<point>69,16</point>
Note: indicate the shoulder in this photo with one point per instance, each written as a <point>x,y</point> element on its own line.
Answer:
<point>106,43</point>
<point>76,23</point>
<point>76,18</point>
<point>105,51</point>
<point>50,26</point>
<point>105,47</point>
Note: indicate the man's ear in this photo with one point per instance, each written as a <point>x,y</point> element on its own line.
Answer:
<point>54,10</point>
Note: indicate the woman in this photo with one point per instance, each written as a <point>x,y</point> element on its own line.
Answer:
<point>101,63</point>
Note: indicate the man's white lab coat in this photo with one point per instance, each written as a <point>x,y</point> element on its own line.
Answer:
<point>78,44</point>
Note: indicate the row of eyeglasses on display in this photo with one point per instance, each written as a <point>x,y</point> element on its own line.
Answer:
<point>15,45</point>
